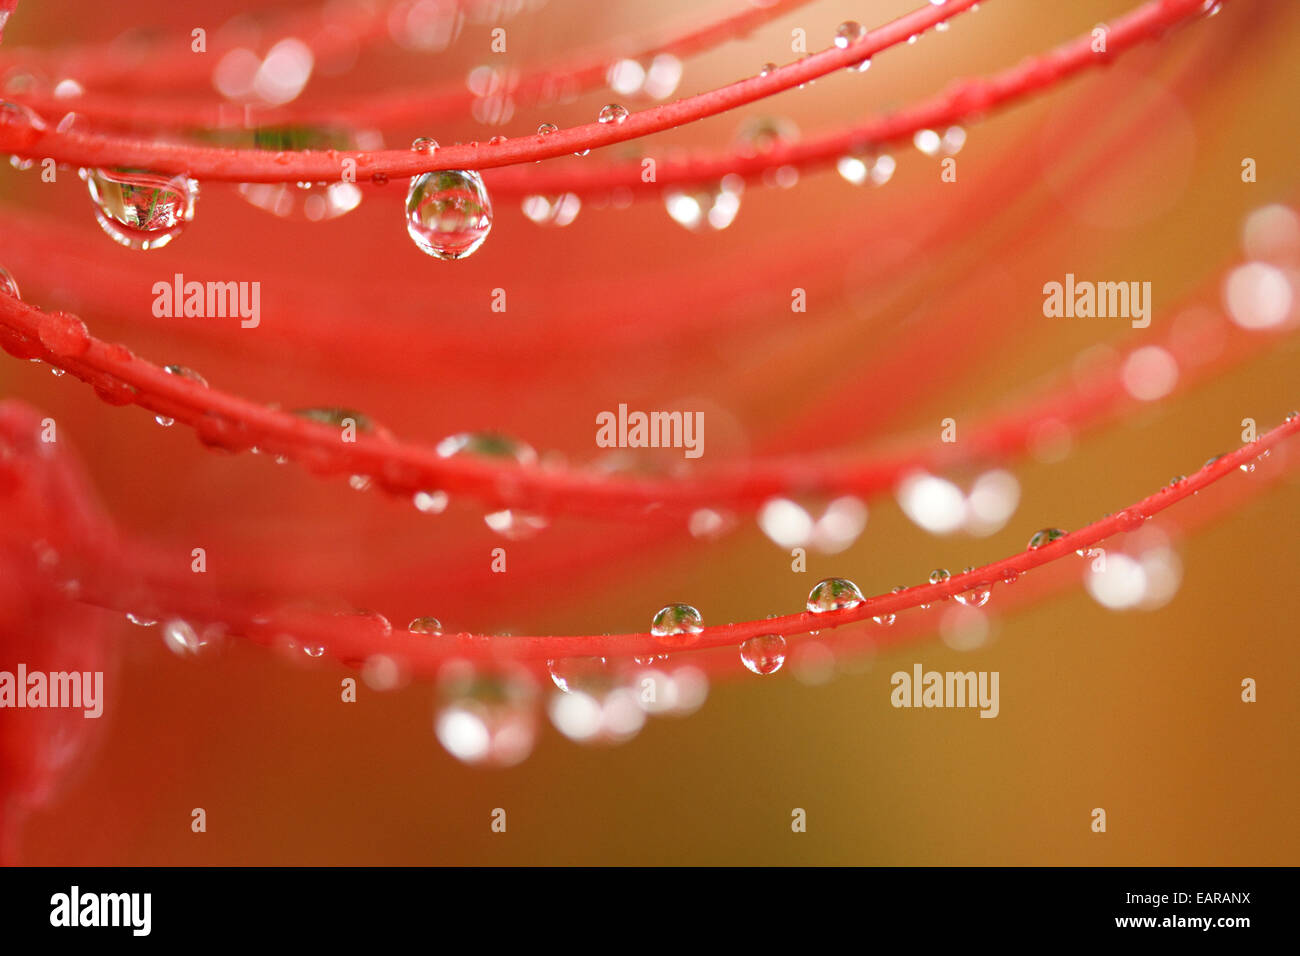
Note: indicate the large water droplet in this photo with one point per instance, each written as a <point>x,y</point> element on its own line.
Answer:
<point>977,596</point>
<point>763,654</point>
<point>606,716</point>
<point>613,113</point>
<point>141,210</point>
<point>486,719</point>
<point>848,33</point>
<point>677,625</point>
<point>572,674</point>
<point>833,594</point>
<point>697,208</point>
<point>448,213</point>
<point>425,625</point>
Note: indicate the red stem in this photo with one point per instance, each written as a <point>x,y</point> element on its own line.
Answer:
<point>229,165</point>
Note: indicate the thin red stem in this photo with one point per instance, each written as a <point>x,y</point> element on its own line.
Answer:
<point>228,165</point>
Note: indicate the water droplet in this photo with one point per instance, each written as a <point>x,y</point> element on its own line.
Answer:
<point>939,575</point>
<point>710,524</point>
<point>141,210</point>
<point>430,502</point>
<point>762,134</point>
<point>384,672</point>
<point>927,141</point>
<point>573,674</point>
<point>314,650</point>
<point>180,371</point>
<point>546,129</point>
<point>23,123</point>
<point>448,213</point>
<point>763,654</point>
<point>1258,296</point>
<point>935,504</point>
<point>859,168</point>
<point>1291,416</point>
<point>425,625</point>
<point>884,620</point>
<point>613,113</point>
<point>833,594</point>
<point>140,620</point>
<point>848,33</point>
<point>338,417</point>
<point>8,285</point>
<point>181,639</point>
<point>552,210</point>
<point>625,77</point>
<point>1044,537</point>
<point>1177,480</point>
<point>486,719</point>
<point>676,625</point>
<point>698,207</point>
<point>767,69</point>
<point>1130,520</point>
<point>514,524</point>
<point>424,144</point>
<point>606,715</point>
<point>977,596</point>
<point>487,445</point>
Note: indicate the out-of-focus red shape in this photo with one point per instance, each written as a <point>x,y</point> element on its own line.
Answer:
<point>47,516</point>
